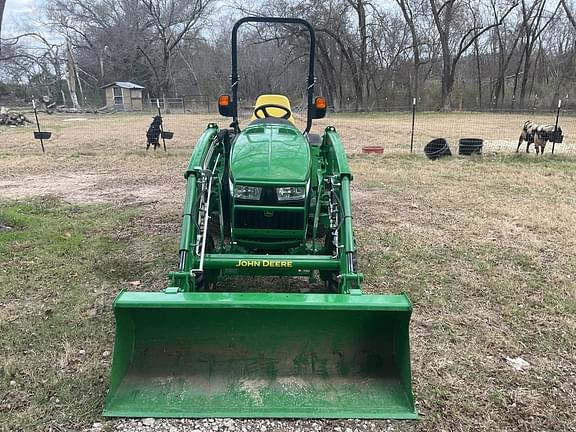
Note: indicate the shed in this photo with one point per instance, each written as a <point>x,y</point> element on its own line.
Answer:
<point>124,95</point>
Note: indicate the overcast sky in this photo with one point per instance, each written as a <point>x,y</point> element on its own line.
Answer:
<point>16,14</point>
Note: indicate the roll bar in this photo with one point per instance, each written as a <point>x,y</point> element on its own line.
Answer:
<point>311,78</point>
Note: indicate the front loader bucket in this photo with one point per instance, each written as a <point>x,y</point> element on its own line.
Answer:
<point>261,355</point>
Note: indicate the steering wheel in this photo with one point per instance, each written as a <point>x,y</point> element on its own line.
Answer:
<point>264,110</point>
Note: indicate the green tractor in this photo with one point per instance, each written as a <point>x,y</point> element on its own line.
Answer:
<point>265,200</point>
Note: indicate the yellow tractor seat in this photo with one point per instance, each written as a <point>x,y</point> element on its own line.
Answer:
<point>260,109</point>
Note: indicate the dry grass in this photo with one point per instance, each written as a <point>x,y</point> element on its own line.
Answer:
<point>88,134</point>
<point>500,132</point>
<point>483,246</point>
<point>488,262</point>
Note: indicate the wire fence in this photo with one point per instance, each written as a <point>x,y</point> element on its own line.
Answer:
<point>407,132</point>
<point>396,132</point>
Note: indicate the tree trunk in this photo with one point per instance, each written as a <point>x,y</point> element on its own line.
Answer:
<point>515,89</point>
<point>526,70</point>
<point>360,72</point>
<point>165,84</point>
<point>2,4</point>
<point>478,73</point>
<point>568,13</point>
<point>408,17</point>
<point>165,102</point>
<point>447,85</point>
<point>443,26</point>
<point>340,86</point>
<point>71,76</point>
<point>363,49</point>
<point>329,73</point>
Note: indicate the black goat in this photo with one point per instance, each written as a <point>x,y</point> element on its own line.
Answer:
<point>153,133</point>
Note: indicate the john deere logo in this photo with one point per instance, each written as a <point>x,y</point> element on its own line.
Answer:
<point>264,263</point>
<point>268,214</point>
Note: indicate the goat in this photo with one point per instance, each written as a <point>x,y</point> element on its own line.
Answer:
<point>539,135</point>
<point>153,133</point>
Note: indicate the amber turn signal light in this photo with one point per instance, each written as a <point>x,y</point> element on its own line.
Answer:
<point>320,103</point>
<point>224,100</point>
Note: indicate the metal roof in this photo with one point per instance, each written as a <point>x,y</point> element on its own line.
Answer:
<point>124,84</point>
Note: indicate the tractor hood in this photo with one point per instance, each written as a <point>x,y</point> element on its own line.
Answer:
<point>271,153</point>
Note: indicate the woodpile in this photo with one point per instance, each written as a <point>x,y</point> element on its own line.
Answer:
<point>8,118</point>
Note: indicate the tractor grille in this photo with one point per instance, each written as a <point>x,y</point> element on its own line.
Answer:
<point>258,219</point>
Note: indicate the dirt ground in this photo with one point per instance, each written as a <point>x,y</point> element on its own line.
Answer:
<point>483,246</point>
<point>101,158</point>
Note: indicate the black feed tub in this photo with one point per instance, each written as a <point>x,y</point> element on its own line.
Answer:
<point>437,148</point>
<point>42,135</point>
<point>470,146</point>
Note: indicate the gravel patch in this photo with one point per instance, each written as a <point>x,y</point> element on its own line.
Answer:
<point>233,425</point>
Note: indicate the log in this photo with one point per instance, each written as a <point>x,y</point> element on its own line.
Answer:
<point>8,118</point>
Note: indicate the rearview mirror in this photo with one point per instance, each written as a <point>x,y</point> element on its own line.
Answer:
<point>225,106</point>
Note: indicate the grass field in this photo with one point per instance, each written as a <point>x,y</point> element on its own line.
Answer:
<point>483,246</point>
<point>88,133</point>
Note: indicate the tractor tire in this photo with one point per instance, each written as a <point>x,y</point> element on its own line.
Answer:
<point>331,284</point>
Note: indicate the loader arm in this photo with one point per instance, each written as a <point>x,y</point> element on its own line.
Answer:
<point>338,177</point>
<point>207,150</point>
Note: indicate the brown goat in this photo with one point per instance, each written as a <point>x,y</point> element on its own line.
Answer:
<point>539,135</point>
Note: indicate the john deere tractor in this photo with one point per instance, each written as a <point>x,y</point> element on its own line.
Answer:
<point>266,200</point>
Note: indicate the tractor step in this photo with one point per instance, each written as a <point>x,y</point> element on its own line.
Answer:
<point>261,355</point>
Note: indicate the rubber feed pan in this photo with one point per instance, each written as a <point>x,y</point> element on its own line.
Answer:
<point>373,150</point>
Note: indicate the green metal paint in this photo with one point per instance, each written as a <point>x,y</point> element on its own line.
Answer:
<point>201,149</point>
<point>335,154</point>
<point>261,355</point>
<point>257,262</point>
<point>270,153</point>
<point>189,354</point>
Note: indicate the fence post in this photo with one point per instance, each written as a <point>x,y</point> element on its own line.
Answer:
<point>161,126</point>
<point>413,119</point>
<point>38,123</point>
<point>556,125</point>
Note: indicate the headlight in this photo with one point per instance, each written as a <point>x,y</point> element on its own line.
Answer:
<point>291,193</point>
<point>247,192</point>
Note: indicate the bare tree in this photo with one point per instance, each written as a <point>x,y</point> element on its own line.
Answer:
<point>388,53</point>
<point>46,57</point>
<point>568,11</point>
<point>504,48</point>
<point>339,45</point>
<point>173,21</point>
<point>2,4</point>
<point>409,12</point>
<point>557,62</point>
<point>359,7</point>
<point>535,19</point>
<point>104,36</point>
<point>368,54</point>
<point>71,75</point>
<point>456,41</point>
